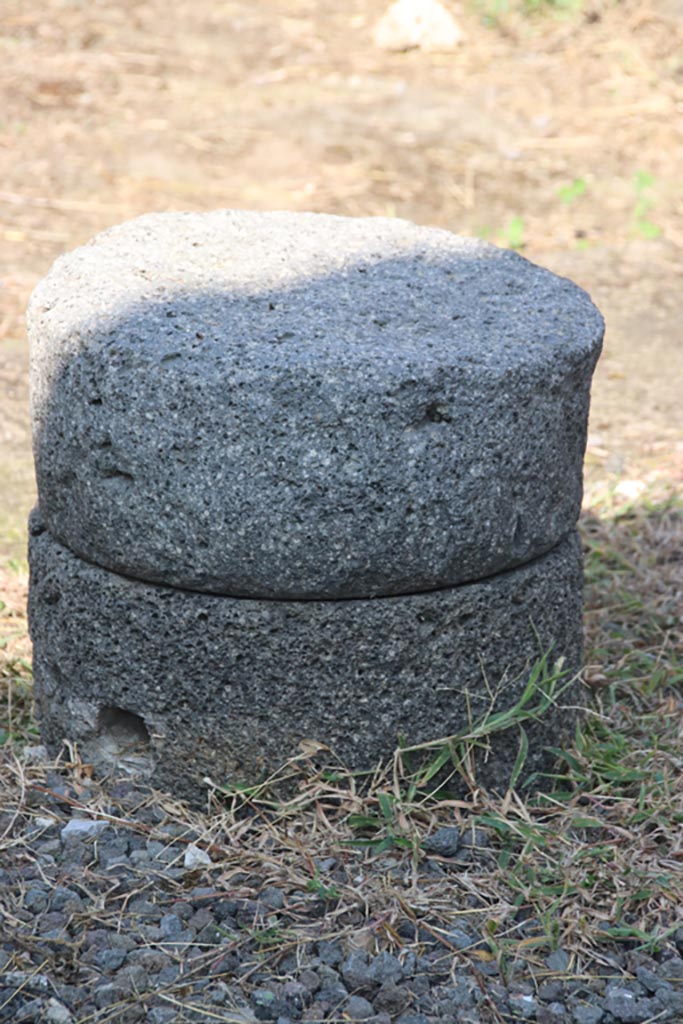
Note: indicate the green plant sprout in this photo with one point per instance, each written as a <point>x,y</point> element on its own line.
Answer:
<point>543,689</point>
<point>388,830</point>
<point>493,10</point>
<point>573,191</point>
<point>513,233</point>
<point>325,892</point>
<point>643,182</point>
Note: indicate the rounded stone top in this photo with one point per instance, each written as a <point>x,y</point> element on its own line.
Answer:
<point>303,405</point>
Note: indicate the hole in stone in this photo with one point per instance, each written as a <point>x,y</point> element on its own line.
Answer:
<point>114,473</point>
<point>121,731</point>
<point>436,413</point>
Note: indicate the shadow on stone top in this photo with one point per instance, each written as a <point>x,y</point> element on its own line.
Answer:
<point>303,406</point>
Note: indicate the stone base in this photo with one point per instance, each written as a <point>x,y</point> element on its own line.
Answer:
<point>178,685</point>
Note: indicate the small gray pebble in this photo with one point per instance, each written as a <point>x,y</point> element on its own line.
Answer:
<point>391,998</point>
<point>263,997</point>
<point>649,980</point>
<point>133,978</point>
<point>623,1004</point>
<point>333,994</point>
<point>445,842</point>
<point>558,960</point>
<point>139,857</point>
<point>475,839</point>
<point>107,995</point>
<point>358,1008</point>
<point>65,899</point>
<point>551,991</point>
<point>200,918</point>
<point>167,975</point>
<point>199,892</point>
<point>83,828</point>
<point>672,1000</point>
<point>219,993</point>
<point>16,979</point>
<point>170,925</point>
<point>33,1011</point>
<point>524,1006</point>
<point>211,935</point>
<point>671,969</point>
<point>460,938</point>
<point>52,922</point>
<point>587,1014</point>
<point>152,960</point>
<point>489,968</point>
<point>52,846</point>
<point>498,993</point>
<point>35,900</point>
<point>432,868</point>
<point>553,1013</point>
<point>224,909</point>
<point>161,1015</point>
<point>297,994</point>
<point>144,908</point>
<point>413,1018</point>
<point>179,940</point>
<point>327,975</point>
<point>385,967</point>
<point>356,972</point>
<point>183,910</point>
<point>272,898</point>
<point>451,1000</point>
<point>110,960</point>
<point>110,853</point>
<point>330,952</point>
<point>310,980</point>
<point>57,1013</point>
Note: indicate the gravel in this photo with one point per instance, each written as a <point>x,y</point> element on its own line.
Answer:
<point>108,923</point>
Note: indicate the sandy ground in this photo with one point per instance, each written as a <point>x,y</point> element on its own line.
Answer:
<point>559,134</point>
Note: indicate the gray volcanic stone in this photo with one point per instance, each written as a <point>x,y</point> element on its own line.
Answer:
<point>445,841</point>
<point>301,405</point>
<point>177,685</point>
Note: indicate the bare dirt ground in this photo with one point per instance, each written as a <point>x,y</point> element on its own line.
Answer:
<point>559,134</point>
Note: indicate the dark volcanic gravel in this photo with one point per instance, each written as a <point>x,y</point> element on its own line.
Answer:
<point>128,921</point>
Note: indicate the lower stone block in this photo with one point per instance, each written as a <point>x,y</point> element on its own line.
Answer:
<point>178,685</point>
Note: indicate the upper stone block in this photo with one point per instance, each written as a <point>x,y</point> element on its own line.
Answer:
<point>301,405</point>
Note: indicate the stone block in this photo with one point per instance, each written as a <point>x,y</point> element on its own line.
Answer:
<point>295,405</point>
<point>176,685</point>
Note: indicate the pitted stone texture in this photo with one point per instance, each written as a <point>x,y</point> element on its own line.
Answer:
<point>228,687</point>
<point>301,405</point>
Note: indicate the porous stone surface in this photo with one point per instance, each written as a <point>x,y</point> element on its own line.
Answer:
<point>301,405</point>
<point>179,685</point>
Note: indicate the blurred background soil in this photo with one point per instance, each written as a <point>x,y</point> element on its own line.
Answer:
<point>553,128</point>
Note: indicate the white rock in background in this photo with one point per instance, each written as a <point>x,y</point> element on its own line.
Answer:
<point>35,755</point>
<point>83,828</point>
<point>418,24</point>
<point>41,822</point>
<point>57,1013</point>
<point>195,858</point>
